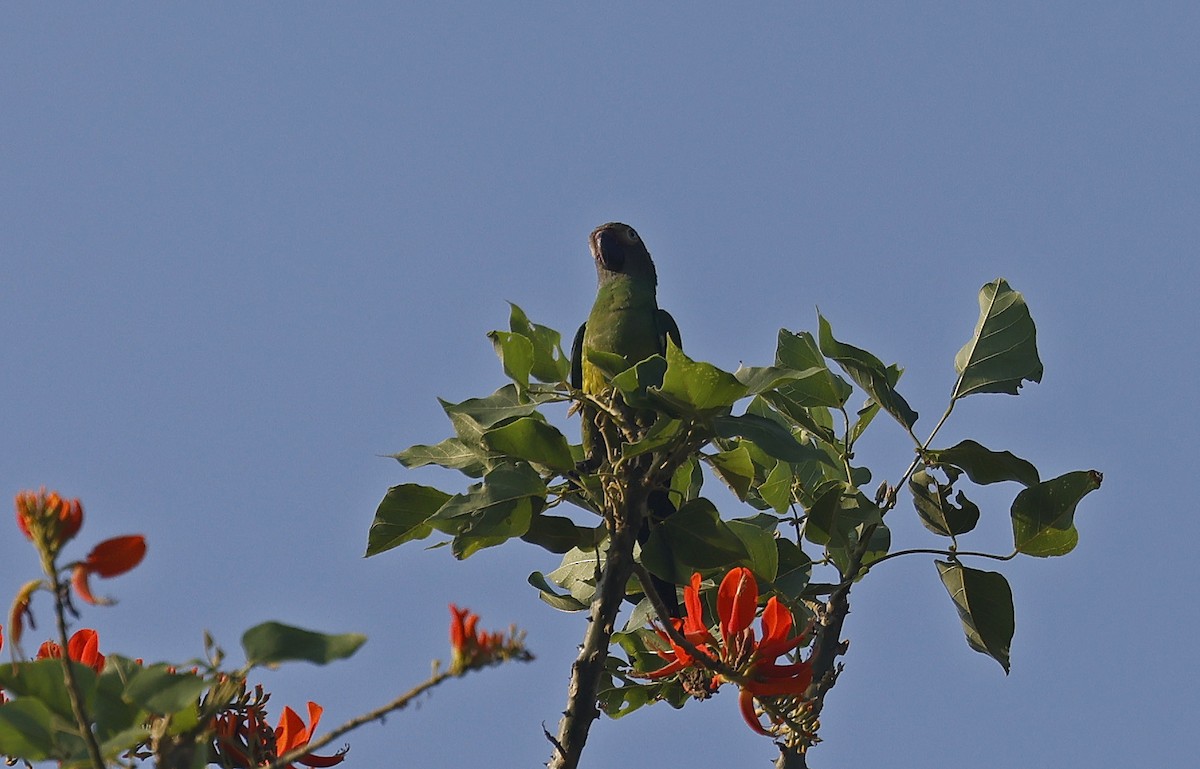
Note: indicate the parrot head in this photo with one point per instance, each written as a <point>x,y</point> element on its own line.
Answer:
<point>619,250</point>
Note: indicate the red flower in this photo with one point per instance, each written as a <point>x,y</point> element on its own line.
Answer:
<point>48,520</point>
<point>292,733</point>
<point>756,661</point>
<point>108,559</point>
<point>471,647</point>
<point>83,646</point>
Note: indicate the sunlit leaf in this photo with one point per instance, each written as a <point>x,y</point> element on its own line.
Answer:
<point>985,466</point>
<point>869,373</point>
<point>816,385</point>
<point>405,514</point>
<point>735,468</point>
<point>516,353</point>
<point>560,601</point>
<point>272,643</point>
<point>1002,353</point>
<point>1043,515</point>
<point>695,387</point>
<point>532,440</point>
<point>451,453</point>
<point>549,364</point>
<point>984,603</point>
<point>776,490</point>
<point>634,381</point>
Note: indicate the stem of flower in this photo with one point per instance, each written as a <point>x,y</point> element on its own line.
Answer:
<point>72,683</point>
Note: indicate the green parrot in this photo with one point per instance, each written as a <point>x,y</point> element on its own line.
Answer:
<point>625,320</point>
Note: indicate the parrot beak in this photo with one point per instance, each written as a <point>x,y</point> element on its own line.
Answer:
<point>608,250</point>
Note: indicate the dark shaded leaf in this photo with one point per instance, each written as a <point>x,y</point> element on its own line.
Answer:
<point>795,568</point>
<point>273,642</point>
<point>634,381</point>
<point>985,466</point>
<point>758,538</point>
<point>767,434</point>
<point>405,514</point>
<point>984,603</point>
<point>1043,515</point>
<point>559,535</point>
<point>869,373</point>
<point>931,497</point>
<point>697,538</point>
<point>27,729</point>
<point>1002,353</point>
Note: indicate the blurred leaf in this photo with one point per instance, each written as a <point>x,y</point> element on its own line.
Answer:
<point>557,600</point>
<point>1043,515</point>
<point>767,434</point>
<point>549,363</point>
<point>985,466</point>
<point>451,453</point>
<point>27,729</point>
<point>1002,352</point>
<point>984,603</point>
<point>160,691</point>
<point>404,515</point>
<point>272,643</point>
<point>931,497</point>
<point>735,469</point>
<point>516,353</point>
<point>42,680</point>
<point>869,373</point>
<point>559,535</point>
<point>532,440</point>
<point>696,388</point>
<point>758,538</point>
<point>817,386</point>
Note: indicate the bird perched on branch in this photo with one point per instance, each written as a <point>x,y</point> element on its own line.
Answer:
<point>625,320</point>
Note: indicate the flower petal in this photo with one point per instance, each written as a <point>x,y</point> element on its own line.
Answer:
<point>746,703</point>
<point>737,601</point>
<point>117,555</point>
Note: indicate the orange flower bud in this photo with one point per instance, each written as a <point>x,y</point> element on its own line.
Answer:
<point>48,520</point>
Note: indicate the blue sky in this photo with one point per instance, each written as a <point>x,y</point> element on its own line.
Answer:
<point>244,247</point>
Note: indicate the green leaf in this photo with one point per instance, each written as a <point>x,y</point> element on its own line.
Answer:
<point>696,388</point>
<point>634,382</point>
<point>795,568</point>
<point>1043,515</point>
<point>758,537</point>
<point>43,680</point>
<point>735,468</point>
<point>776,490</point>
<point>687,480</point>
<point>160,691</point>
<point>931,497</point>
<point>505,403</point>
<point>27,729</point>
<point>984,603</point>
<point>547,593</point>
<point>984,466</point>
<point>559,535</point>
<point>272,643</point>
<point>404,514</point>
<point>492,512</point>
<point>549,363</point>
<point>451,453</point>
<point>516,353</point>
<point>697,538</point>
<point>869,373</point>
<point>577,574</point>
<point>1002,353</point>
<point>662,433</point>
<point>532,440</point>
<point>817,385</point>
<point>813,419</point>
<point>767,434</point>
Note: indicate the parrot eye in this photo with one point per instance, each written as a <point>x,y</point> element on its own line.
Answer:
<point>632,235</point>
